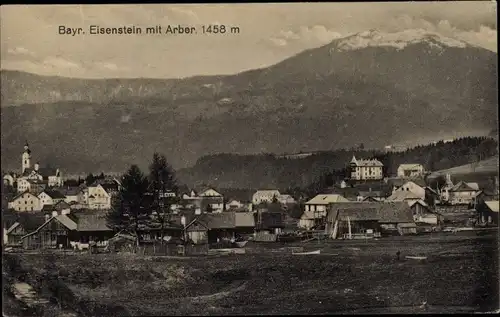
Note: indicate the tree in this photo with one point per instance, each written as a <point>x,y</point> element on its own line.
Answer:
<point>162,182</point>
<point>89,179</point>
<point>130,206</point>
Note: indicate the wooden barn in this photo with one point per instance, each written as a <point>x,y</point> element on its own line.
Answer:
<point>353,222</point>
<point>18,225</point>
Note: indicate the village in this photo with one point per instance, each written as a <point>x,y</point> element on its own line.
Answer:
<point>45,211</point>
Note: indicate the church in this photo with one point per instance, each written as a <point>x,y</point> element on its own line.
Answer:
<point>33,178</point>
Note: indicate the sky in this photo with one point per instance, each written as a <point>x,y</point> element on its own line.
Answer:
<point>268,33</point>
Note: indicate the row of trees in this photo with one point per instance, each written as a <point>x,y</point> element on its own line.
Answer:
<point>144,200</point>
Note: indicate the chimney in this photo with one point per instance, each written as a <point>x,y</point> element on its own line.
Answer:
<point>65,211</point>
<point>54,213</point>
<point>37,166</point>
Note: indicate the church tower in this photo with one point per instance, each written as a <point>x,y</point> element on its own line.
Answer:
<point>26,157</point>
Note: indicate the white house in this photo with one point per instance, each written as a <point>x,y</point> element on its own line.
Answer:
<point>285,199</point>
<point>23,185</point>
<point>25,202</point>
<point>410,170</point>
<point>411,187</point>
<point>210,192</point>
<point>319,203</point>
<point>365,169</point>
<point>50,197</point>
<point>263,196</point>
<point>98,197</point>
<point>235,204</point>
<point>463,193</point>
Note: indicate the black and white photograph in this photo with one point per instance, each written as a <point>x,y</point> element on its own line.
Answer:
<point>319,158</point>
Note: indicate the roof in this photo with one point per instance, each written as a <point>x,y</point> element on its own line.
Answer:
<point>91,221</point>
<point>67,222</point>
<point>387,212</point>
<point>224,220</point>
<point>375,193</point>
<point>37,182</point>
<point>268,192</point>
<point>410,166</point>
<point>493,205</point>
<point>357,214</point>
<point>25,192</point>
<point>109,187</point>
<point>395,212</point>
<point>463,186</point>
<point>362,162</point>
<point>30,222</point>
<point>402,196</point>
<point>325,199</point>
<point>69,191</point>
<point>54,194</point>
<point>47,171</point>
<point>244,219</point>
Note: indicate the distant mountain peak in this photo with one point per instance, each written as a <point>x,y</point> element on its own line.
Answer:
<point>399,40</point>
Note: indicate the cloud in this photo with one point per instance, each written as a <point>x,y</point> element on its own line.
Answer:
<point>309,36</point>
<point>21,51</point>
<point>59,62</point>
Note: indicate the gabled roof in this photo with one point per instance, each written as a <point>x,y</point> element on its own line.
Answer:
<point>63,219</point>
<point>325,199</point>
<point>375,193</point>
<point>463,186</point>
<point>29,221</point>
<point>267,192</point>
<point>54,194</point>
<point>224,220</point>
<point>21,194</point>
<point>387,212</point>
<point>47,171</point>
<point>366,163</point>
<point>90,221</point>
<point>357,214</point>
<point>402,196</point>
<point>244,219</point>
<point>492,205</point>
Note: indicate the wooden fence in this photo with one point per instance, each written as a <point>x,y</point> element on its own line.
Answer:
<point>170,249</point>
<point>265,237</point>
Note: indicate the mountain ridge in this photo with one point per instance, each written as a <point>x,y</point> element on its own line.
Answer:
<point>316,99</point>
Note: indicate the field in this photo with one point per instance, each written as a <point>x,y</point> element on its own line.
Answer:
<point>459,275</point>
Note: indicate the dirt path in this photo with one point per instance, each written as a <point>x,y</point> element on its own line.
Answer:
<point>25,293</point>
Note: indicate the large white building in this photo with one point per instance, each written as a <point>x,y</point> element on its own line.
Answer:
<point>410,170</point>
<point>265,196</point>
<point>366,169</point>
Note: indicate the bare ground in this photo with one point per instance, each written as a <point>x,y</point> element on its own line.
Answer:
<point>459,275</point>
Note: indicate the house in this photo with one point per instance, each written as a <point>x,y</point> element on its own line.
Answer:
<point>98,198</point>
<point>315,210</point>
<point>488,212</point>
<point>423,213</point>
<point>59,207</point>
<point>392,217</point>
<point>25,202</point>
<point>209,192</point>
<point>65,230</point>
<point>286,199</point>
<point>50,197</point>
<point>211,228</point>
<point>411,186</point>
<point>37,186</point>
<point>397,217</point>
<point>265,196</point>
<point>269,222</point>
<point>352,222</point>
<point>24,223</point>
<point>56,231</point>
<point>70,193</point>
<point>410,170</point>
<point>237,205</point>
<point>463,193</point>
<point>350,193</point>
<point>406,196</point>
<point>10,179</point>
<point>214,204</point>
<point>361,169</point>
